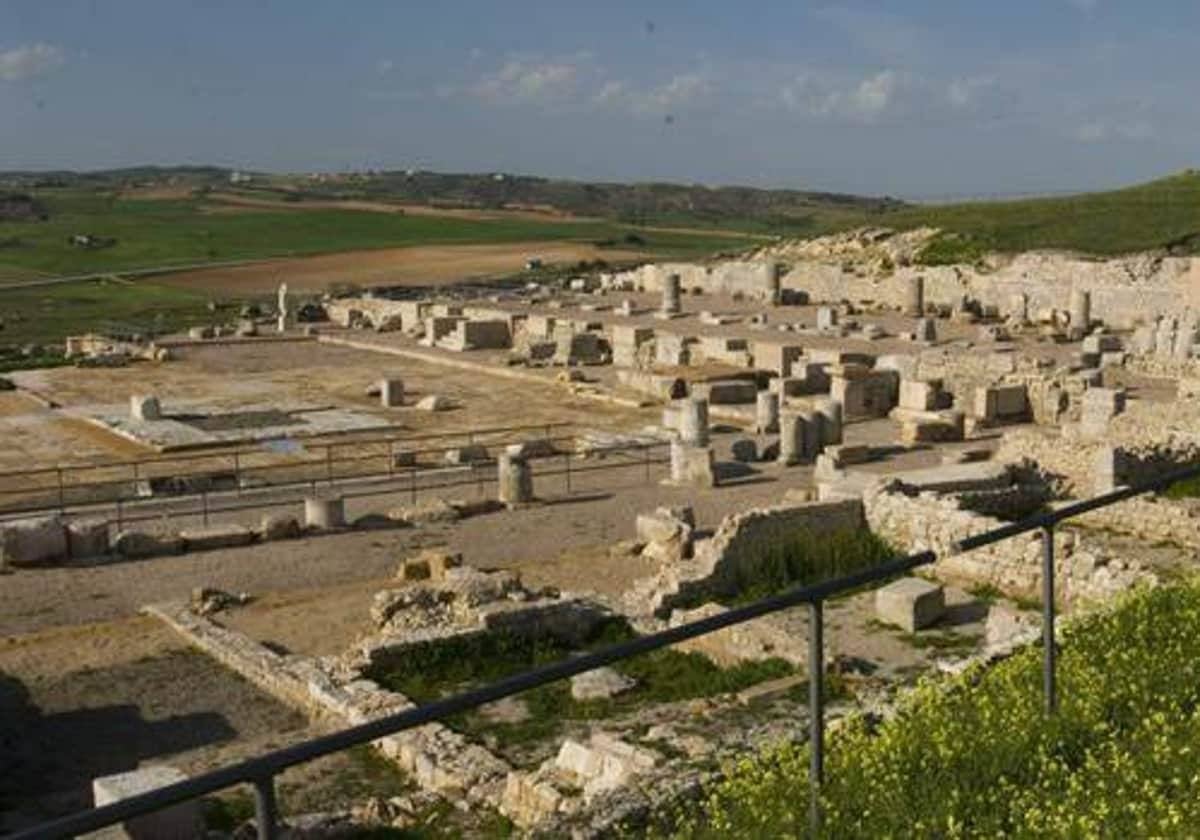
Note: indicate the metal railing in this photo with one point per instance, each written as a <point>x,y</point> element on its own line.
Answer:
<point>260,772</point>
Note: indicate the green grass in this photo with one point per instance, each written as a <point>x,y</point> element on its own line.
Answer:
<point>662,676</point>
<point>977,757</point>
<point>44,314</point>
<point>1186,489</point>
<point>807,559</point>
<point>151,233</point>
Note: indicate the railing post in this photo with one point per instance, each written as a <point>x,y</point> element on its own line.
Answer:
<point>62,493</point>
<point>816,713</point>
<point>329,464</point>
<point>266,810</point>
<point>1048,687</point>
<point>567,459</point>
<point>237,472</point>
<point>204,503</point>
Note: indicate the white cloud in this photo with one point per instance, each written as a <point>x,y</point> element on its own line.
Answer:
<point>679,91</point>
<point>29,61</point>
<point>520,80</point>
<point>962,93</point>
<point>1084,5</point>
<point>864,100</point>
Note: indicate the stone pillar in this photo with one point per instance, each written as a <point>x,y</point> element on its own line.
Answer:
<point>391,392</point>
<point>827,318</point>
<point>772,278</point>
<point>143,407</point>
<point>693,421</point>
<point>794,433</point>
<point>322,512</point>
<point>1185,337</point>
<point>515,479</point>
<point>914,296</point>
<point>926,330</point>
<point>692,466</point>
<point>831,422</point>
<point>812,434</point>
<point>1081,311</point>
<point>1018,308</point>
<point>766,412</point>
<point>670,296</point>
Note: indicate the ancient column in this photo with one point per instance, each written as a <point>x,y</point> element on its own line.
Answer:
<point>831,422</point>
<point>515,479</point>
<point>926,330</point>
<point>391,392</point>
<point>766,412</point>
<point>793,438</point>
<point>1018,308</point>
<point>772,274</point>
<point>1081,311</point>
<point>693,421</point>
<point>914,296</point>
<point>812,437</point>
<point>670,295</point>
<point>324,512</point>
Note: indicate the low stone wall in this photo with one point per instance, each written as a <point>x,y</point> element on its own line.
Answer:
<point>742,540</point>
<point>440,760</point>
<point>1153,519</point>
<point>1086,574</point>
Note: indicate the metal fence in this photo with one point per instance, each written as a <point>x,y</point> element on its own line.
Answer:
<point>118,484</point>
<point>260,772</point>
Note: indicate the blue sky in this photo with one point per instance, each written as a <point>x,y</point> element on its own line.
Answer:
<point>916,98</point>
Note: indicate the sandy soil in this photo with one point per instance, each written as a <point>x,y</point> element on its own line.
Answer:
<point>419,265</point>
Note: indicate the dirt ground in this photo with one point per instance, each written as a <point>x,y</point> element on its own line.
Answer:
<point>419,265</point>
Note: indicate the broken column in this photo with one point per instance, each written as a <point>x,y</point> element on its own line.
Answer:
<point>926,330</point>
<point>830,412</point>
<point>1081,312</point>
<point>914,296</point>
<point>692,466</point>
<point>1018,308</point>
<point>391,392</point>
<point>693,421</point>
<point>766,412</point>
<point>794,435</point>
<point>515,479</point>
<point>324,512</point>
<point>773,271</point>
<point>670,296</point>
<point>143,407</point>
<point>827,318</point>
<point>811,421</point>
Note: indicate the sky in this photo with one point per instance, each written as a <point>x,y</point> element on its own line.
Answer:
<point>912,98</point>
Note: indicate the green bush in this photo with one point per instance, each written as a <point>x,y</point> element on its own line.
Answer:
<point>977,757</point>
<point>808,559</point>
<point>950,249</point>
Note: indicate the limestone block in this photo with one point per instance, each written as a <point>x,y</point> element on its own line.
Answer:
<point>729,391</point>
<point>427,512</point>
<point>919,396</point>
<point>216,536</point>
<point>434,402</point>
<point>87,538</point>
<point>600,684</point>
<point>324,512</point>
<point>33,542</point>
<point>766,412</point>
<point>910,603</point>
<point>138,544</point>
<point>178,822</point>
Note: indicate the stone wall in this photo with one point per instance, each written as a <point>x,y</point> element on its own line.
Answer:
<point>1085,573</point>
<point>742,540</point>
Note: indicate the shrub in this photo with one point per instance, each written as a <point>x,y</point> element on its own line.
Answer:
<point>977,757</point>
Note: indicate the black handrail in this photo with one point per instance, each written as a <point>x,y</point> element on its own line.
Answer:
<point>260,771</point>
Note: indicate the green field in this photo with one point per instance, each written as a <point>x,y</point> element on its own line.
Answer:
<point>977,757</point>
<point>151,233</point>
